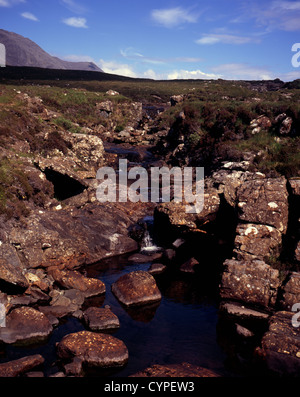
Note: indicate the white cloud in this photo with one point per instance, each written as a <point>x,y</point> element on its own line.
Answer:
<point>172,17</point>
<point>191,75</point>
<point>113,67</point>
<point>76,22</point>
<point>209,39</point>
<point>243,71</point>
<point>10,3</point>
<point>72,6</point>
<point>30,16</point>
<point>290,76</point>
<point>275,15</point>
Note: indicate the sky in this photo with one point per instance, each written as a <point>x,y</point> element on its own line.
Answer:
<point>166,39</point>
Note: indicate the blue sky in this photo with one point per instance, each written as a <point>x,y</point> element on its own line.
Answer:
<point>231,39</point>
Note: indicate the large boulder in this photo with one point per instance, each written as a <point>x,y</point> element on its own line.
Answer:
<point>25,324</point>
<point>176,215</point>
<point>73,237</point>
<point>291,291</point>
<point>93,349</point>
<point>254,241</point>
<point>252,282</point>
<point>264,201</point>
<point>280,346</point>
<point>136,289</point>
<point>12,270</point>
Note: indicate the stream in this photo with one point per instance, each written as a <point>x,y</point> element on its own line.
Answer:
<point>182,327</point>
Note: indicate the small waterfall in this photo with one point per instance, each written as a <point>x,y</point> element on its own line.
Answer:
<point>148,245</point>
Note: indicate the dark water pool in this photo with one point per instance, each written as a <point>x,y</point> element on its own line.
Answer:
<point>181,328</point>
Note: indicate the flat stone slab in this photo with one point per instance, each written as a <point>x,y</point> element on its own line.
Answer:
<point>184,370</point>
<point>71,279</point>
<point>93,349</point>
<point>25,324</point>
<point>98,319</point>
<point>157,268</point>
<point>136,289</point>
<point>18,367</point>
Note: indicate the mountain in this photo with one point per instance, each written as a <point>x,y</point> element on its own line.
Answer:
<point>21,51</point>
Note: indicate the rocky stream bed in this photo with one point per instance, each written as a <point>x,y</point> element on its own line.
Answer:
<point>81,295</point>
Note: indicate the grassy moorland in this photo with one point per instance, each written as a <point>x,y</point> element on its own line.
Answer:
<point>216,125</point>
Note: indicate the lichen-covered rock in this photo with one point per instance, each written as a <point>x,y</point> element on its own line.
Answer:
<point>280,346</point>
<point>291,291</point>
<point>98,319</point>
<point>72,237</point>
<point>184,370</point>
<point>11,269</point>
<point>255,241</point>
<point>136,289</point>
<point>252,282</point>
<point>264,201</point>
<point>93,349</point>
<point>18,367</point>
<point>72,279</point>
<point>176,215</point>
<point>25,324</point>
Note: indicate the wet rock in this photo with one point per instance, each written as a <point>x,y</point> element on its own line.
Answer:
<point>25,324</point>
<point>18,367</point>
<point>157,268</point>
<point>34,374</point>
<point>93,349</point>
<point>55,312</point>
<point>238,311</point>
<point>71,300</point>
<point>252,282</point>
<point>98,319</point>
<point>280,346</point>
<point>183,370</point>
<point>244,332</point>
<point>74,280</point>
<point>136,289</point>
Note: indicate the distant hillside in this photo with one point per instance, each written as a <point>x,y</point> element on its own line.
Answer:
<point>21,51</point>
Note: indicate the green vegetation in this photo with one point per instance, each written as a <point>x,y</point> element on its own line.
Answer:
<point>212,121</point>
<point>14,189</point>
